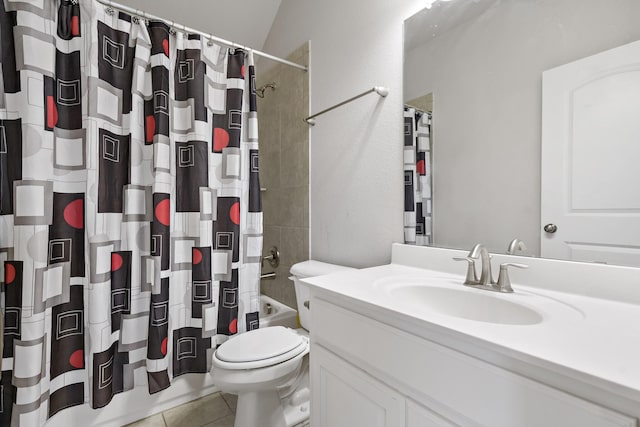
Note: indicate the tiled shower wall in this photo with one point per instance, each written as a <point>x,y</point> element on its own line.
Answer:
<point>284,170</point>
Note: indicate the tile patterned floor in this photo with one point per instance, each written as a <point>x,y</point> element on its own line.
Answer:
<point>214,410</point>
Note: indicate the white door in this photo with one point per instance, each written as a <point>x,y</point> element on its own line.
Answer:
<point>344,396</point>
<point>591,158</point>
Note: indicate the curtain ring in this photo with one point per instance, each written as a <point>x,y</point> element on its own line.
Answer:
<point>210,41</point>
<point>172,29</point>
<point>109,11</point>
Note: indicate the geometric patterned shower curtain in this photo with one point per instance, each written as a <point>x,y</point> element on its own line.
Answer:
<point>418,228</point>
<point>130,210</point>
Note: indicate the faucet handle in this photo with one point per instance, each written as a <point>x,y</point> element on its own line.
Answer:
<point>504,283</point>
<point>514,264</point>
<point>472,278</point>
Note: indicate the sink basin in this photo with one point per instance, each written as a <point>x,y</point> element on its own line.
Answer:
<point>445,295</point>
<point>478,305</point>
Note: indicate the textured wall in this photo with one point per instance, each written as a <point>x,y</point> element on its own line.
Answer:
<point>356,177</point>
<point>284,170</point>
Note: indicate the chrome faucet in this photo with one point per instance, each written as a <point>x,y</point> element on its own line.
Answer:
<point>515,245</point>
<point>486,281</point>
<point>480,251</point>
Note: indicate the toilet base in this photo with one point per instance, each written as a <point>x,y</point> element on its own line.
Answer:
<point>265,408</point>
<point>287,406</point>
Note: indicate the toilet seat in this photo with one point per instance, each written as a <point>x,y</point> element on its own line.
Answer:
<point>260,348</point>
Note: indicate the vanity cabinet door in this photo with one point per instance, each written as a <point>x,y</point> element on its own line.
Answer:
<point>345,396</point>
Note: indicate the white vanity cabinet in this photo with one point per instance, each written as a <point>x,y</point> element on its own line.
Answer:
<point>347,396</point>
<point>367,373</point>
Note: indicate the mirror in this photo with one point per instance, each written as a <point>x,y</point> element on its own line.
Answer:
<point>504,161</point>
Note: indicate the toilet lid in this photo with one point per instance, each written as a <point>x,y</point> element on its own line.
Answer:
<point>259,344</point>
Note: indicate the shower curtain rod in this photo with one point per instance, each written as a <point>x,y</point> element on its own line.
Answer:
<point>419,109</point>
<point>380,90</point>
<point>145,15</point>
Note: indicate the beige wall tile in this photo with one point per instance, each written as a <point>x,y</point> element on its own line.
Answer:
<point>292,207</point>
<point>284,170</point>
<point>271,238</point>
<point>294,165</point>
<point>287,291</point>
<point>281,289</point>
<point>269,128</point>
<point>300,54</point>
<point>294,245</point>
<point>270,169</point>
<point>267,76</point>
<point>268,288</point>
<point>272,206</point>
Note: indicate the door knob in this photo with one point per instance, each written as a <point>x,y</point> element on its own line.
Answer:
<point>550,228</point>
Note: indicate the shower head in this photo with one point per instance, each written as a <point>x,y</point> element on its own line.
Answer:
<point>260,91</point>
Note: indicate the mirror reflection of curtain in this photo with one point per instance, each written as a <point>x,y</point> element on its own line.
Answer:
<point>417,177</point>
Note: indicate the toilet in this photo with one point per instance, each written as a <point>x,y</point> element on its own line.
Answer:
<point>268,368</point>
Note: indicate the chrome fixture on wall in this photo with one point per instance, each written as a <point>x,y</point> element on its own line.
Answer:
<point>260,91</point>
<point>273,257</point>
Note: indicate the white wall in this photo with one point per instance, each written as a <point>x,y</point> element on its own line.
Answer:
<point>486,78</point>
<point>246,22</point>
<point>356,174</point>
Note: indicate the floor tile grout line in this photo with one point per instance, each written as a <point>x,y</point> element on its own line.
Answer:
<point>231,410</point>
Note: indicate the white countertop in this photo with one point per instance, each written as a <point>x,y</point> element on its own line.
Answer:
<point>593,340</point>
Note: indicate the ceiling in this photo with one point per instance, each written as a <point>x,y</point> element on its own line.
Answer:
<point>246,22</point>
<point>443,16</point>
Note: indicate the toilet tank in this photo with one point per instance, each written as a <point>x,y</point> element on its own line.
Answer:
<point>303,270</point>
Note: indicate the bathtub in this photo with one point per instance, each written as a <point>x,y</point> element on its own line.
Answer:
<point>275,313</point>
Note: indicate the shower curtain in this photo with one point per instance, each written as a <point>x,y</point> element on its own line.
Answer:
<point>417,177</point>
<point>130,209</point>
